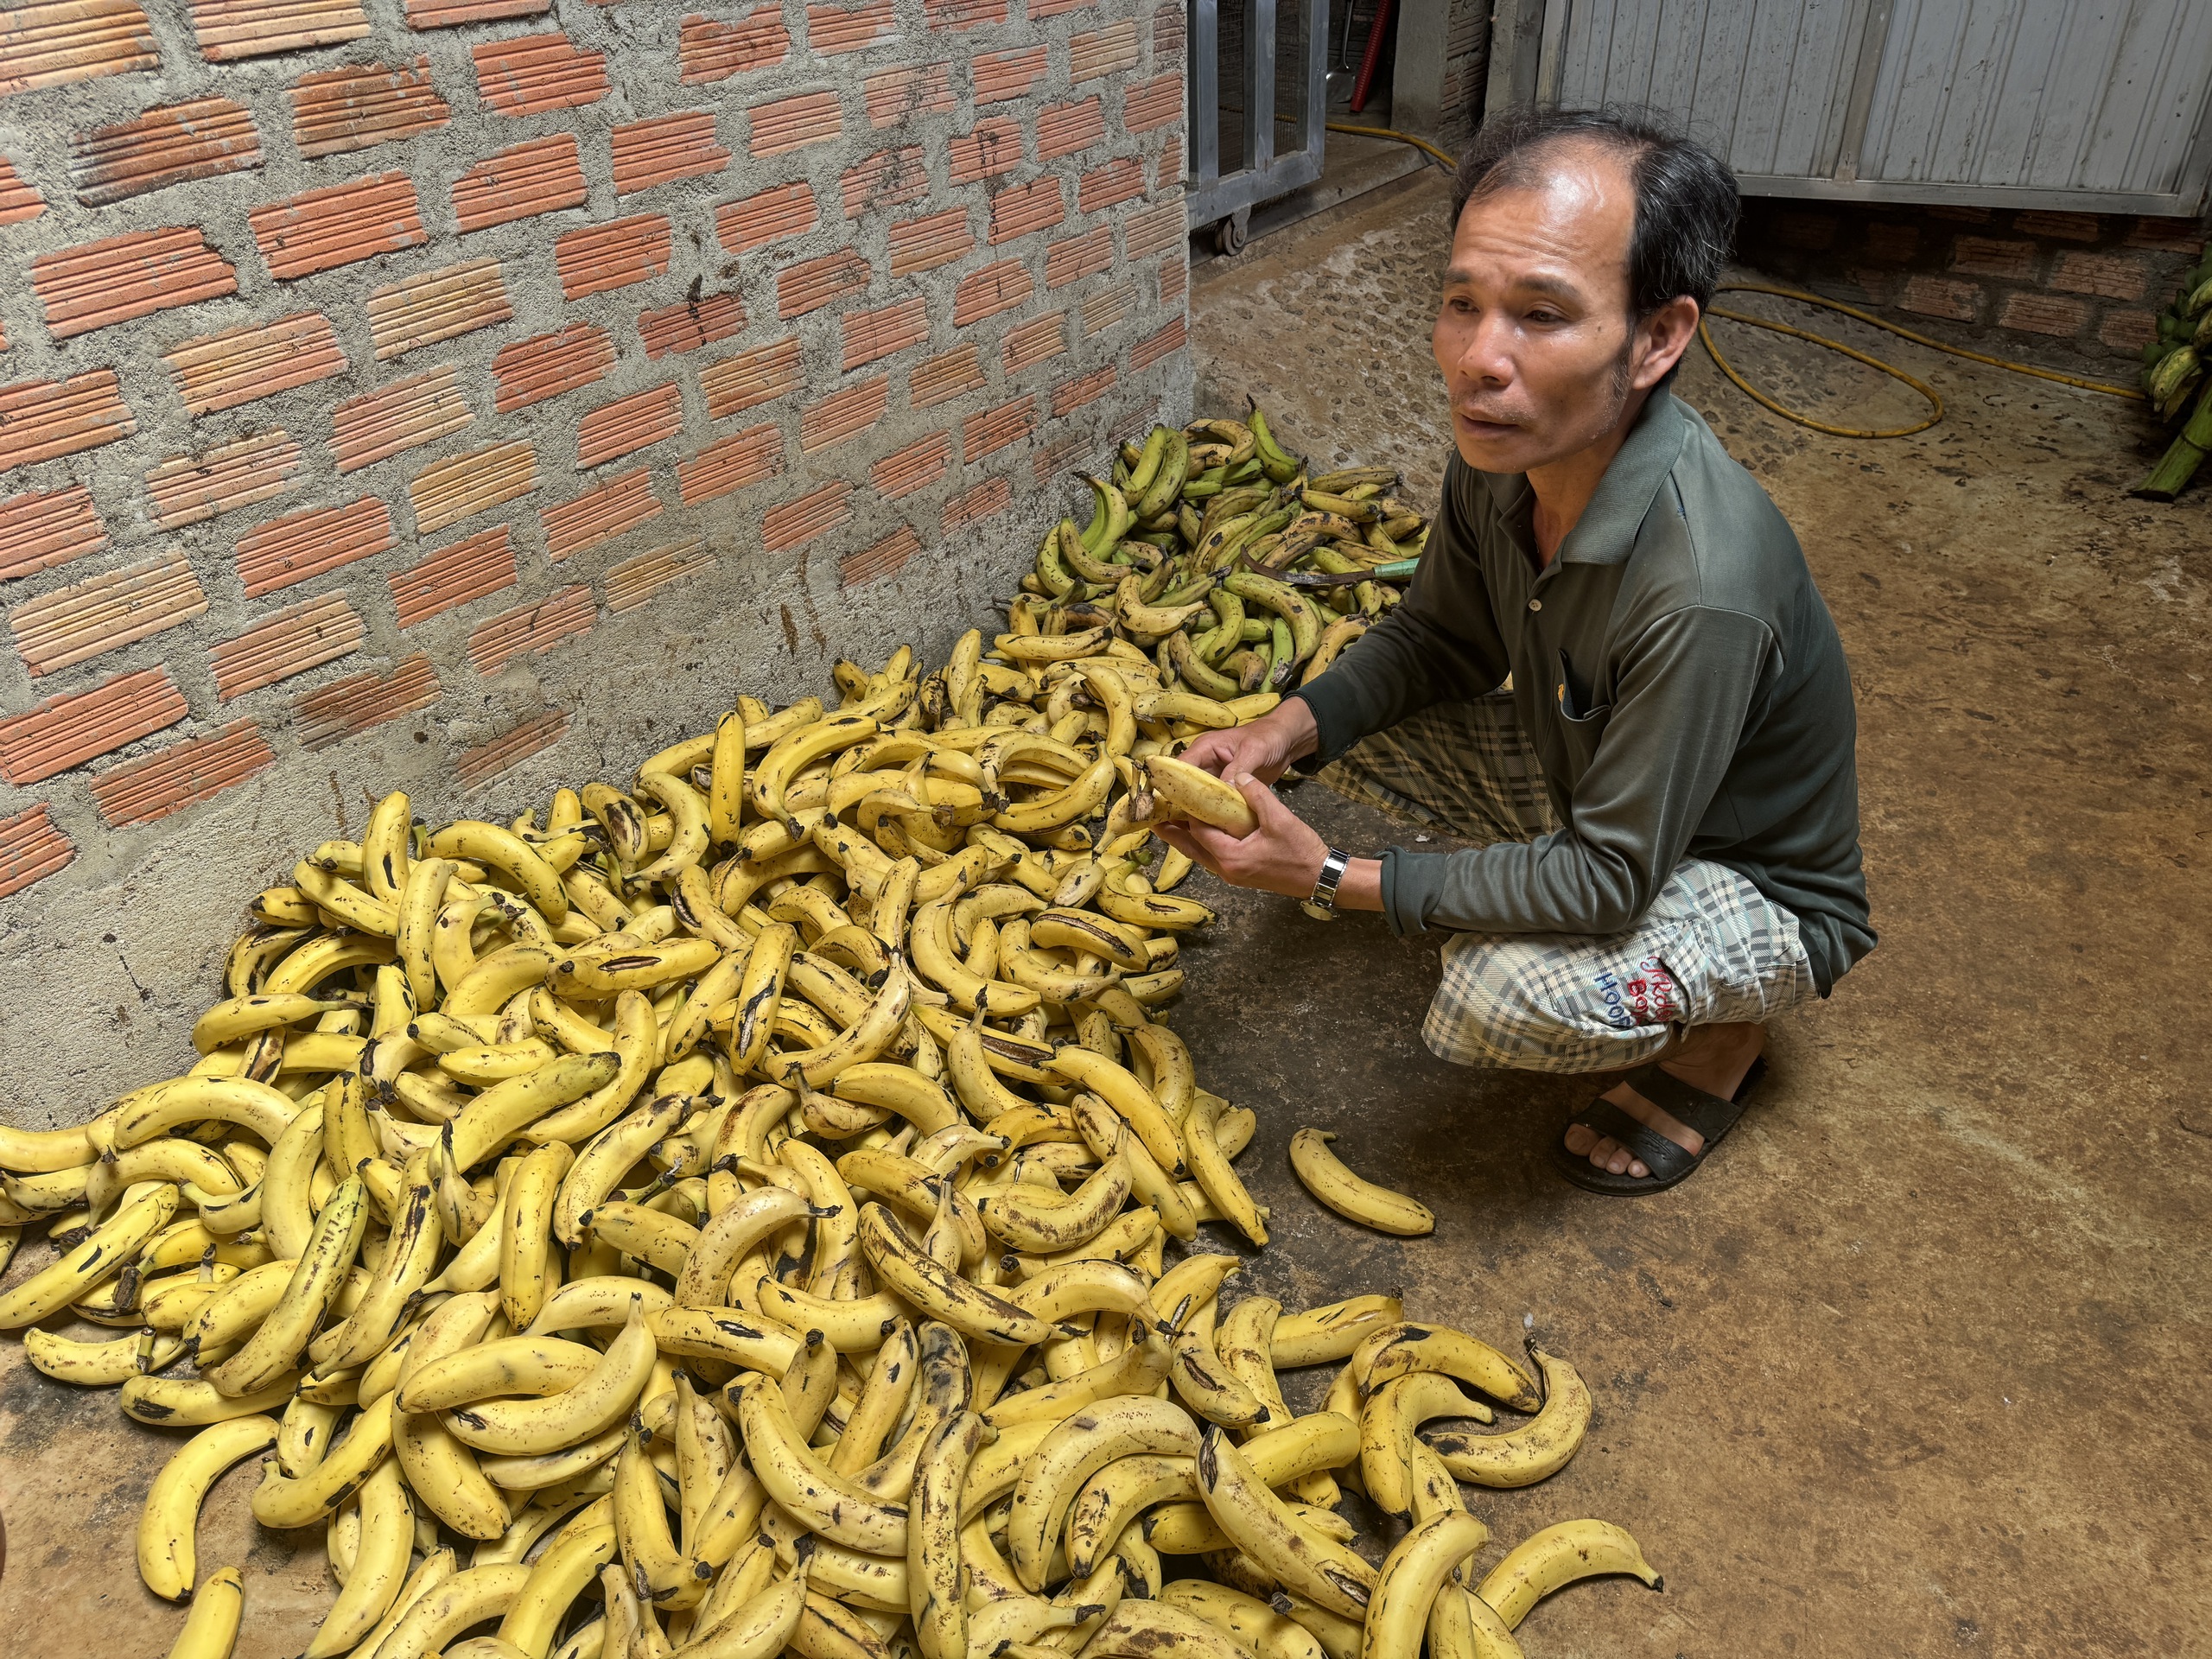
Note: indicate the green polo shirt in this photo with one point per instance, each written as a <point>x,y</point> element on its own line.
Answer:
<point>1678,672</point>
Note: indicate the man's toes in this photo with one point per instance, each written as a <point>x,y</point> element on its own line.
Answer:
<point>1581,1138</point>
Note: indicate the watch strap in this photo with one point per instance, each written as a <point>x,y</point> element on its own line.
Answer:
<point>1325,885</point>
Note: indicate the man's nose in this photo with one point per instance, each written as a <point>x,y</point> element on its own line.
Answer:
<point>1485,351</point>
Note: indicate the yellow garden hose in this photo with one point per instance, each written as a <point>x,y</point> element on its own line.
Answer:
<point>1386,132</point>
<point>1926,391</point>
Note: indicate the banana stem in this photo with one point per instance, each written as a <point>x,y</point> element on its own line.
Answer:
<point>2180,464</point>
<point>2172,474</point>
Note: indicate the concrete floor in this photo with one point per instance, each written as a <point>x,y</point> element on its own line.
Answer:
<point>1915,1365</point>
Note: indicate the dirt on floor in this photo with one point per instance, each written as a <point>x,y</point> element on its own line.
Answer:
<point>1915,1365</point>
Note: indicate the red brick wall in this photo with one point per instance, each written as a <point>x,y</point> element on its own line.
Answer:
<point>372,364</point>
<point>2048,288</point>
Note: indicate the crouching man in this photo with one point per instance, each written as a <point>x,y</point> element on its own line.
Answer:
<point>1613,673</point>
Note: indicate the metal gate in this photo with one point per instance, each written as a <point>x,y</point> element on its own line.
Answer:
<point>1268,71</point>
<point>2095,105</point>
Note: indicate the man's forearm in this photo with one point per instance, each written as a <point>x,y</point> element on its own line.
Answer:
<point>1361,886</point>
<point>1400,667</point>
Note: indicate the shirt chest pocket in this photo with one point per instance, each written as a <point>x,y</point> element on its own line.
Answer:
<point>1581,721</point>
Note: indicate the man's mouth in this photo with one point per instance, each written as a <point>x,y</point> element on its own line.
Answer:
<point>1484,426</point>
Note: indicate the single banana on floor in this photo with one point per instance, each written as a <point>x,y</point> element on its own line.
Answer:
<point>1323,1175</point>
<point>1556,1557</point>
<point>166,1556</point>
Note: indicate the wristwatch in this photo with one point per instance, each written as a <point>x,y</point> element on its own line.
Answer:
<point>1324,899</point>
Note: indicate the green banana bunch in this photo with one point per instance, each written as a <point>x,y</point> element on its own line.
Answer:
<point>1186,508</point>
<point>2174,377</point>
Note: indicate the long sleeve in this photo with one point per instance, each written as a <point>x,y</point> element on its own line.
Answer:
<point>1440,643</point>
<point>1685,689</point>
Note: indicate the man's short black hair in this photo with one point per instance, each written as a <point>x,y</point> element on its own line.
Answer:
<point>1686,202</point>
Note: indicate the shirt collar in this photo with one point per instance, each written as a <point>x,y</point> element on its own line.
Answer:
<point>1605,534</point>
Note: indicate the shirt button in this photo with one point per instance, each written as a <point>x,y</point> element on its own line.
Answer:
<point>1535,604</point>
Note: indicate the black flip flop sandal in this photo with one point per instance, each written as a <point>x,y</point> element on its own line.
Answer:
<point>1709,1115</point>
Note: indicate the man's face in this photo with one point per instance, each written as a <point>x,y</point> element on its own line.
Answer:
<point>1534,334</point>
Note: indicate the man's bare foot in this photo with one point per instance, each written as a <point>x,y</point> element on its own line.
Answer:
<point>1713,1058</point>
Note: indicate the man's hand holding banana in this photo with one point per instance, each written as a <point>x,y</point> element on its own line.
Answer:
<point>1282,854</point>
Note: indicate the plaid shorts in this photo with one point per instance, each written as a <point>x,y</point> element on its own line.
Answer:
<point>1712,949</point>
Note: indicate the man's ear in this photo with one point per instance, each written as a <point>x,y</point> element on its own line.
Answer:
<point>1662,338</point>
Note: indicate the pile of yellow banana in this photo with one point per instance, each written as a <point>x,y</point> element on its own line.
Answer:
<point>1212,549</point>
<point>731,1216</point>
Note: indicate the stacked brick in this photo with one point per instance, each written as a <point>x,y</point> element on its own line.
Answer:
<point>2048,286</point>
<point>369,363</point>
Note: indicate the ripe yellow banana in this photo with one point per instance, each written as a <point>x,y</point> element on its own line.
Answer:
<point>759,1629</point>
<point>635,1043</point>
<point>1075,1450</point>
<point>527,1427</point>
<point>1183,791</point>
<point>1116,1086</point>
<point>1036,1219</point>
<point>282,1500</point>
<point>1207,1386</point>
<point>1388,1423</point>
<point>1216,1177</point>
<point>534,1366</point>
<point>283,1333</point>
<point>90,1264</point>
<point>455,1605</point>
<point>1323,1175</point>
<point>1138,1629</point>
<point>410,1260</point>
<point>971,1309</point>
<point>504,850</point>
<point>1116,1496</point>
<point>1397,1349</point>
<point>1137,1369</point>
<point>211,1628</point>
<point>792,753</point>
<point>1556,1557</point>
<point>378,1570</point>
<point>252,1106</point>
<point>1536,1450</point>
<point>505,1109</point>
<point>100,1364</point>
<point>1417,1569</point>
<point>166,1554</point>
<point>828,1502</point>
<point>649,1547</point>
<point>1322,1335</point>
<point>187,1402</point>
<point>1262,1526</point>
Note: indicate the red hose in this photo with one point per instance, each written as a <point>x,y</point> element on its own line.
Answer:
<point>1371,60</point>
